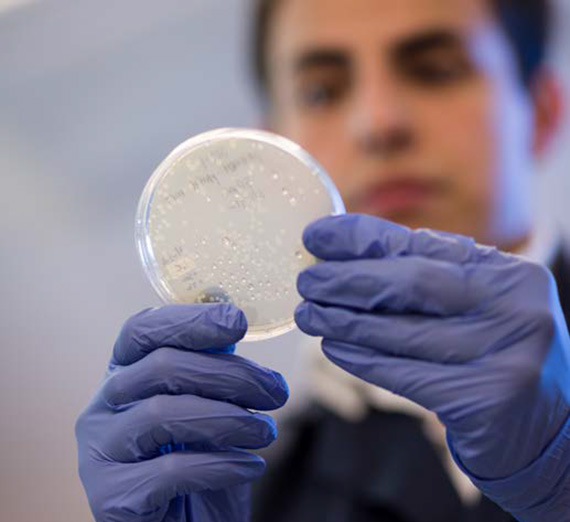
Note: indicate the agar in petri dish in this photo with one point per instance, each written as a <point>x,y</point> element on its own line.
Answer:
<point>221,220</point>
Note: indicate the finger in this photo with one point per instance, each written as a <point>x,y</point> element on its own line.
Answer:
<point>187,327</point>
<point>358,236</point>
<point>223,377</point>
<point>140,432</point>
<point>444,341</point>
<point>403,284</point>
<point>148,486</point>
<point>437,387</point>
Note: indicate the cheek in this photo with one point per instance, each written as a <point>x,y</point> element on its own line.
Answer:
<point>466,134</point>
<point>326,139</point>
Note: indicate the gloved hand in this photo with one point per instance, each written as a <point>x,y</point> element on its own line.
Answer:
<point>472,334</point>
<point>164,438</point>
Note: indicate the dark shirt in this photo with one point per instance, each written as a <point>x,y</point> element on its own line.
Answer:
<point>381,469</point>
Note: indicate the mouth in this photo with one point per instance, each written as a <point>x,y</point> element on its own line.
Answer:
<point>399,196</point>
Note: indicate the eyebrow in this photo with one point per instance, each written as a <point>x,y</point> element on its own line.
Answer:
<point>317,58</point>
<point>409,46</point>
<point>432,40</point>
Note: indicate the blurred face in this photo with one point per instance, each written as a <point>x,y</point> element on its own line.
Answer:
<point>414,107</point>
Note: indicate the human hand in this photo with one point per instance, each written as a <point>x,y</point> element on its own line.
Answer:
<point>472,334</point>
<point>164,438</point>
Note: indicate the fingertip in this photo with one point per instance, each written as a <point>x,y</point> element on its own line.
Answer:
<point>281,390</point>
<point>302,317</point>
<point>302,282</point>
<point>121,350</point>
<point>300,312</point>
<point>319,233</point>
<point>268,428</point>
<point>238,320</point>
<point>257,465</point>
<point>230,319</point>
<point>243,467</point>
<point>314,280</point>
<point>275,392</point>
<point>331,350</point>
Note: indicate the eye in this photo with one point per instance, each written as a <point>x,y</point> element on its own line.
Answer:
<point>441,71</point>
<point>320,94</point>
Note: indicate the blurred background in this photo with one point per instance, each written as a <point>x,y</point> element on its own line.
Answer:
<point>93,95</point>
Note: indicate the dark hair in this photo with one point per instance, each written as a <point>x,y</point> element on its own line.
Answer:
<point>527,24</point>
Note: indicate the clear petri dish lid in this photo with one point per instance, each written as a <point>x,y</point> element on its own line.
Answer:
<point>221,220</point>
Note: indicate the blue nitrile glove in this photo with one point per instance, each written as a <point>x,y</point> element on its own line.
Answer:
<point>164,438</point>
<point>472,334</point>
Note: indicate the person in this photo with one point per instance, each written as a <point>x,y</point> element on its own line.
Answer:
<point>428,115</point>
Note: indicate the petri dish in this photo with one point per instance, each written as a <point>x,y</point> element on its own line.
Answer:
<point>221,220</point>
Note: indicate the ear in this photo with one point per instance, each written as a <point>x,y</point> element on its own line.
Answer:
<point>548,101</point>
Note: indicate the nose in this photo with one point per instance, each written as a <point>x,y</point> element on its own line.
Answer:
<point>380,120</point>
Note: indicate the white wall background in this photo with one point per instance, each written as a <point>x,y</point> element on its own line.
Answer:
<point>92,97</point>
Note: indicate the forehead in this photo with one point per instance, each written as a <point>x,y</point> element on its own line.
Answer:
<point>298,24</point>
